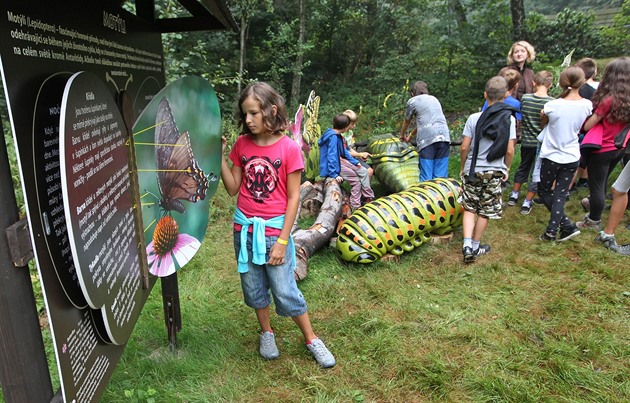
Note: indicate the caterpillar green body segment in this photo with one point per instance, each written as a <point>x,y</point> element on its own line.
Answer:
<point>401,222</point>
<point>395,163</point>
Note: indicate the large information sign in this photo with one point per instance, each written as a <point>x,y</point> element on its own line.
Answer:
<point>65,74</point>
<point>99,203</point>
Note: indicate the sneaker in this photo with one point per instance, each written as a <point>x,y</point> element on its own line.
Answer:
<point>621,249</point>
<point>469,256</point>
<point>321,353</point>
<point>607,240</point>
<point>484,249</point>
<point>525,209</point>
<point>268,349</point>
<point>587,223</point>
<point>512,201</point>
<point>586,204</point>
<point>547,237</point>
<point>568,232</point>
<point>582,183</point>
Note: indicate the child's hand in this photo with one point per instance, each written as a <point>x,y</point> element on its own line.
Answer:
<point>276,254</point>
<point>364,156</point>
<point>339,179</point>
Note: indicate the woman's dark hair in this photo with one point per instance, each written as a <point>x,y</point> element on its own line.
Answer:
<point>267,96</point>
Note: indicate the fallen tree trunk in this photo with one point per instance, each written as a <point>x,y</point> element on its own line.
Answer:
<point>310,193</point>
<point>312,201</point>
<point>308,241</point>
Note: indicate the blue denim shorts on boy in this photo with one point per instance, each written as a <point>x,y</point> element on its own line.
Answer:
<point>482,194</point>
<point>260,279</point>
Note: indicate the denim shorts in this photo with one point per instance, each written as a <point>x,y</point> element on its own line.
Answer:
<point>261,279</point>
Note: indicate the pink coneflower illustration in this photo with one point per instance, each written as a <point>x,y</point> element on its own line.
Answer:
<point>169,250</point>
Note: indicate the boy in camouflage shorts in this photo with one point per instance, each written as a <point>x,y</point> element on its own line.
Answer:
<point>486,154</point>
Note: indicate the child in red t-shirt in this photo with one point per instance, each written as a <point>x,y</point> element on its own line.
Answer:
<point>266,175</point>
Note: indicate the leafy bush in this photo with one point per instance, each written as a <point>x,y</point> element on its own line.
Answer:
<point>570,29</point>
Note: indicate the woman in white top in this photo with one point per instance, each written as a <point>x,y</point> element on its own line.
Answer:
<point>560,152</point>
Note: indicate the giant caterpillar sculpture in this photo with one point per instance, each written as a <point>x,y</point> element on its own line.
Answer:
<point>395,162</point>
<point>400,222</point>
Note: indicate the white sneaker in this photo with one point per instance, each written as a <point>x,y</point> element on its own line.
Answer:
<point>321,353</point>
<point>268,349</point>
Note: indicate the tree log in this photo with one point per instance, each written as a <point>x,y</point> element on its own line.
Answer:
<point>312,202</point>
<point>306,189</point>
<point>310,240</point>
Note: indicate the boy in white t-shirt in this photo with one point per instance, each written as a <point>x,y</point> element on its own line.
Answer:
<point>486,154</point>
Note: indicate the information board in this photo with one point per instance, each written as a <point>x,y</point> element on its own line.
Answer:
<point>99,203</point>
<point>64,73</point>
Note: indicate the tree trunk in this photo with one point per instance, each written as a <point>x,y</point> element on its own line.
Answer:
<point>309,241</point>
<point>308,191</point>
<point>299,60</point>
<point>456,7</point>
<point>518,19</point>
<point>241,61</point>
<point>332,26</point>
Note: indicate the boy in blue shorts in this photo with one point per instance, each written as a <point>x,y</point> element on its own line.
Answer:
<point>486,154</point>
<point>432,134</point>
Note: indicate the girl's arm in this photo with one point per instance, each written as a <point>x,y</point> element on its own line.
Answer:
<point>544,119</point>
<point>348,157</point>
<point>592,121</point>
<point>231,177</point>
<point>278,250</point>
<point>362,155</point>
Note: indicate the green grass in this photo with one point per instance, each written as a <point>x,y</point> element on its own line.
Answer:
<point>529,322</point>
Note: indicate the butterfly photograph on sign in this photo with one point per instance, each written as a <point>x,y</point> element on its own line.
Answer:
<point>178,157</point>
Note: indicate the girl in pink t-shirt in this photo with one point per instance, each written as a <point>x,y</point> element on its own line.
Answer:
<point>266,173</point>
<point>611,105</point>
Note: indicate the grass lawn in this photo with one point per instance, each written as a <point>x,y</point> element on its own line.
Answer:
<point>529,322</point>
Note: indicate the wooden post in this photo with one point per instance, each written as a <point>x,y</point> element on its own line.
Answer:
<point>24,371</point>
<point>172,313</point>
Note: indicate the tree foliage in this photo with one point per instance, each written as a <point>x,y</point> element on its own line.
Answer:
<point>617,36</point>
<point>362,54</point>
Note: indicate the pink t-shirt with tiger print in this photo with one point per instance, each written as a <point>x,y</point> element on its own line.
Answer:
<point>263,190</point>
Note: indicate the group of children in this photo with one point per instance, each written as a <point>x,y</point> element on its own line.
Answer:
<point>339,160</point>
<point>267,165</point>
<point>551,151</point>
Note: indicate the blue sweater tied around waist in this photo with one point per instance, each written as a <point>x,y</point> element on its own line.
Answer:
<point>259,249</point>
